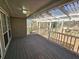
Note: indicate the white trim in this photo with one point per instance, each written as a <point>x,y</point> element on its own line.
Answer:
<point>7,47</point>
<point>2,53</point>
<point>7,27</point>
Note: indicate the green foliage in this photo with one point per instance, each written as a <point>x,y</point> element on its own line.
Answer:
<point>54,24</point>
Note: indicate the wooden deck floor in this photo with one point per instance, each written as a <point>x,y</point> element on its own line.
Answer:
<point>37,47</point>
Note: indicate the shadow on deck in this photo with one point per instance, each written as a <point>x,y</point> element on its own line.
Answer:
<point>37,47</point>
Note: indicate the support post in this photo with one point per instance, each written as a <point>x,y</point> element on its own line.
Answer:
<point>62,26</point>
<point>31,27</point>
<point>39,27</point>
<point>49,29</point>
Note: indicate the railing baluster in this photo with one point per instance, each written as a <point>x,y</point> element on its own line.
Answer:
<point>61,38</point>
<point>70,42</point>
<point>78,49</point>
<point>58,37</point>
<point>74,43</point>
<point>64,39</point>
<point>67,41</point>
<point>55,35</point>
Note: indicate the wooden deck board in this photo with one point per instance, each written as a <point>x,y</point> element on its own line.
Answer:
<point>37,47</point>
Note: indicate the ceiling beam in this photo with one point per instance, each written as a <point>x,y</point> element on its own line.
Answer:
<point>18,17</point>
<point>52,15</point>
<point>64,11</point>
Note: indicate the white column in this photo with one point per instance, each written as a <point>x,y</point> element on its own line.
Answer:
<point>31,27</point>
<point>49,29</point>
<point>62,26</point>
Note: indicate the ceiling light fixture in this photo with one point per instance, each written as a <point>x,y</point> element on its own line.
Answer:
<point>25,11</point>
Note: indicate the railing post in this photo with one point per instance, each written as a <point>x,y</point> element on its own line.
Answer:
<point>62,26</point>
<point>39,27</point>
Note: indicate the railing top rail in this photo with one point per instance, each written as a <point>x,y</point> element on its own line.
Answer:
<point>66,34</point>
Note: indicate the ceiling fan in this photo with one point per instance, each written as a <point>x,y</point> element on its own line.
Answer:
<point>24,10</point>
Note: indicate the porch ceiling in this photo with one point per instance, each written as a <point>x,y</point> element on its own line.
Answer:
<point>16,6</point>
